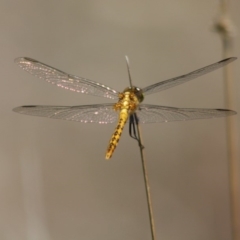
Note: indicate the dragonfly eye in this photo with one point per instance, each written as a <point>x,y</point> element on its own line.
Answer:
<point>138,93</point>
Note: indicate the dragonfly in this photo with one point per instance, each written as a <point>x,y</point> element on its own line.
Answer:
<point>128,105</point>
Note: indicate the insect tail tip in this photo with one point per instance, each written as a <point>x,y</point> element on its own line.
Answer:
<point>108,156</point>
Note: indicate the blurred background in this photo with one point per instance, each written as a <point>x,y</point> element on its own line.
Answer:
<point>55,182</point>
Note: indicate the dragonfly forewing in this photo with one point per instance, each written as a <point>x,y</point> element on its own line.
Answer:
<point>160,86</point>
<point>65,80</point>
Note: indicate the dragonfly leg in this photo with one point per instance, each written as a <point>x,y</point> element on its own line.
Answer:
<point>133,122</point>
<point>132,129</point>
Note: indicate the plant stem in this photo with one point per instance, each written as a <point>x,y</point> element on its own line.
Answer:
<point>224,28</point>
<point>146,181</point>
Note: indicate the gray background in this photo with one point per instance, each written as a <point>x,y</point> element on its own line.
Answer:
<point>55,183</point>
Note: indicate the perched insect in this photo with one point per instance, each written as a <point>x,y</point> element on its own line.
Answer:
<point>129,104</point>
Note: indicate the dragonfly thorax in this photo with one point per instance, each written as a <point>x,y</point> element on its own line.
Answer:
<point>129,99</point>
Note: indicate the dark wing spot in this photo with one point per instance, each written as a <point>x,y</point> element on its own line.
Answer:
<point>223,110</point>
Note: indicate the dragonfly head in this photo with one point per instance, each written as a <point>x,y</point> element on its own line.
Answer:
<point>137,92</point>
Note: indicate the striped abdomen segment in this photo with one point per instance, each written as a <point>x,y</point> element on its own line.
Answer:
<point>123,116</point>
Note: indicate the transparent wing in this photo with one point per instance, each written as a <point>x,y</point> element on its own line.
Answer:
<point>64,80</point>
<point>184,78</point>
<point>152,113</point>
<point>98,113</point>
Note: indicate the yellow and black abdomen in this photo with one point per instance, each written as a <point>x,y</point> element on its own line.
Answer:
<point>127,104</point>
<point>123,117</point>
